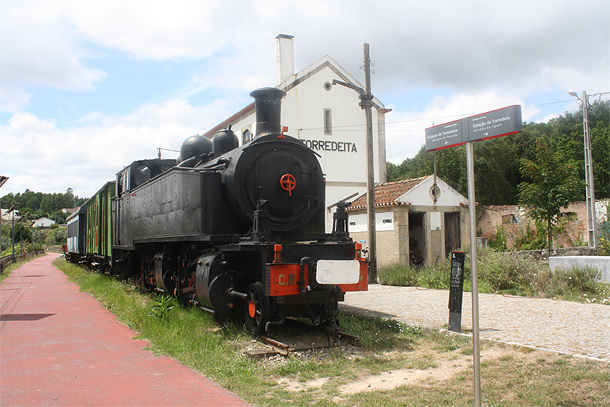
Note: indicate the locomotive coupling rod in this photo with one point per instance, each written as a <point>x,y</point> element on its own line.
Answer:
<point>236,294</point>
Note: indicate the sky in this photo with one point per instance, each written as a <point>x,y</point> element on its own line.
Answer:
<point>86,87</point>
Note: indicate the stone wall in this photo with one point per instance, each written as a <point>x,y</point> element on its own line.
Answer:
<point>513,220</point>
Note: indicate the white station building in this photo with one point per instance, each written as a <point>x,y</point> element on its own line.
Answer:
<point>327,118</point>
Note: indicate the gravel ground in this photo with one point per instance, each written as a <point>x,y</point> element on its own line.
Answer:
<point>560,326</point>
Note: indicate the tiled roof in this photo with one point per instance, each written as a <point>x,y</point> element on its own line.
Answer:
<point>386,194</point>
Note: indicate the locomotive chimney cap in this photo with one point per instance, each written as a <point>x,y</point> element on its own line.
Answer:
<point>268,93</point>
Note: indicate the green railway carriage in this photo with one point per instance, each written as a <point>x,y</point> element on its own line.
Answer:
<point>99,223</point>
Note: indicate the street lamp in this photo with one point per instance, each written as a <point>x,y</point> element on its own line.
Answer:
<point>12,209</point>
<point>589,183</point>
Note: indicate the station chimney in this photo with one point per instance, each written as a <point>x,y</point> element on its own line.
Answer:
<point>285,57</point>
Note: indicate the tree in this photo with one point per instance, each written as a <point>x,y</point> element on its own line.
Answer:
<point>554,184</point>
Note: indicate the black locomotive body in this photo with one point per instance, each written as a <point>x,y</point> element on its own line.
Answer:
<point>237,229</point>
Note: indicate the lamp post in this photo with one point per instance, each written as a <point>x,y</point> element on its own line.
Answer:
<point>3,179</point>
<point>589,183</point>
<point>12,209</point>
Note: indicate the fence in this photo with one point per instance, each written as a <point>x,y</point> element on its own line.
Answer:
<point>6,260</point>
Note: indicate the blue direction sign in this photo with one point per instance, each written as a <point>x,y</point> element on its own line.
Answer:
<point>497,123</point>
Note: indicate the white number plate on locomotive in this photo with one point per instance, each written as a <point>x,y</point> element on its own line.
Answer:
<point>338,271</point>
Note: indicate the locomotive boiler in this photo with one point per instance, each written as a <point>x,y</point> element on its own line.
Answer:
<point>237,229</point>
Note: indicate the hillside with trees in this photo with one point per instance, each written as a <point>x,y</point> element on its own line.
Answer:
<point>35,205</point>
<point>498,162</point>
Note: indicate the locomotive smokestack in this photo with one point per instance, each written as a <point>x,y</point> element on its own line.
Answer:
<point>268,106</point>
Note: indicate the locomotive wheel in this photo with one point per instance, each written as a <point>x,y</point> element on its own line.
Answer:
<point>257,309</point>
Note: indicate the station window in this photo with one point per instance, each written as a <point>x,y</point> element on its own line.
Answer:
<point>328,122</point>
<point>246,136</point>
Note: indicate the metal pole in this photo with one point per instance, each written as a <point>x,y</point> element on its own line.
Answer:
<point>366,104</point>
<point>476,350</point>
<point>589,182</point>
<point>13,234</point>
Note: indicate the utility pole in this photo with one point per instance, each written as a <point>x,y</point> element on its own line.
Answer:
<point>366,103</point>
<point>590,189</point>
<point>589,184</point>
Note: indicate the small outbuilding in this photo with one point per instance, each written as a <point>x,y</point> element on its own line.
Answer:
<point>43,223</point>
<point>418,221</point>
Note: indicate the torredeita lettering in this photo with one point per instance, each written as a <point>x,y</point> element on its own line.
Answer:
<point>322,145</point>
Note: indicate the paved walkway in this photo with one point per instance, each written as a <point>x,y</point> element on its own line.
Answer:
<point>561,326</point>
<point>60,347</point>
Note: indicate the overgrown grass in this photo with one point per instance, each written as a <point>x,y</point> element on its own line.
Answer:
<point>318,378</point>
<point>506,273</point>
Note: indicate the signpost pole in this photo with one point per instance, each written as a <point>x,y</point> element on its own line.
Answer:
<point>476,350</point>
<point>484,126</point>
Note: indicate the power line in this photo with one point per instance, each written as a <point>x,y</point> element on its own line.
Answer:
<point>434,119</point>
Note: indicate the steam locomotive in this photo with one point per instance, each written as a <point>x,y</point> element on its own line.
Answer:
<point>228,228</point>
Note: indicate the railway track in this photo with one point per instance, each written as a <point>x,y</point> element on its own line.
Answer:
<point>269,347</point>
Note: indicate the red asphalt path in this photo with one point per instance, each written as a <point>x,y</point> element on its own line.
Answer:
<point>60,347</point>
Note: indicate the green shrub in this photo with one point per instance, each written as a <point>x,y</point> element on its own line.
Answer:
<point>397,274</point>
<point>503,273</point>
<point>506,271</point>
<point>573,281</point>
<point>498,241</point>
<point>604,246</point>
<point>161,307</point>
<point>437,276</point>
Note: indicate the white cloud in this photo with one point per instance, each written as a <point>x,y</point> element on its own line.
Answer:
<point>39,48</point>
<point>157,29</point>
<point>467,45</point>
<point>38,155</point>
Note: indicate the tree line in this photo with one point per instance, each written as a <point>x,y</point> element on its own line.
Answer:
<point>35,205</point>
<point>499,163</point>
